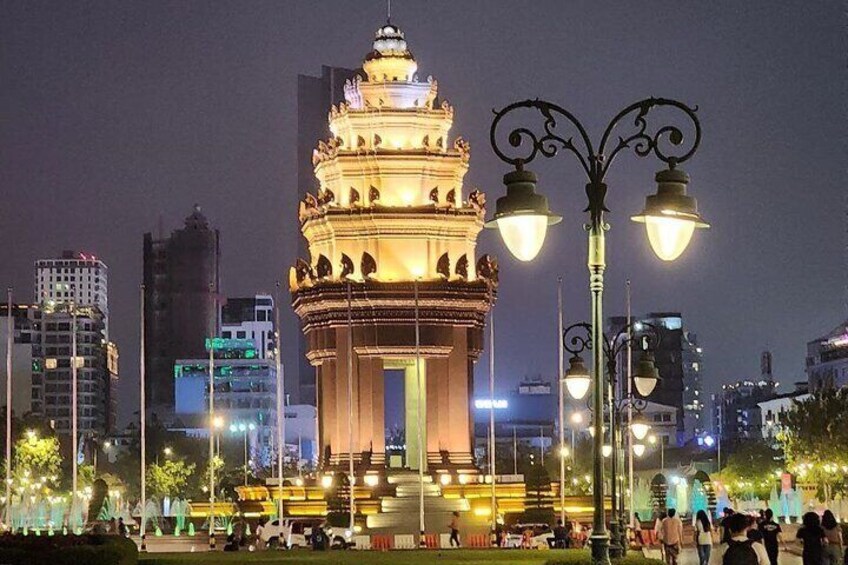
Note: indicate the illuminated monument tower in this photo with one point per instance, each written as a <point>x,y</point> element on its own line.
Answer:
<point>391,214</point>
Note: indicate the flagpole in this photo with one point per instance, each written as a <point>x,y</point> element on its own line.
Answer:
<point>560,403</point>
<point>143,420</point>
<point>9,343</point>
<point>281,405</point>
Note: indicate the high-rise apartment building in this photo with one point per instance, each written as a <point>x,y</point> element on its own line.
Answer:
<point>250,318</point>
<point>315,95</point>
<point>25,325</point>
<point>74,278</point>
<point>679,360</point>
<point>181,282</point>
<point>52,374</point>
<point>827,359</point>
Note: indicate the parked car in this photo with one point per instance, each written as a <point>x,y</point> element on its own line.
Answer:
<point>293,533</point>
<point>536,535</point>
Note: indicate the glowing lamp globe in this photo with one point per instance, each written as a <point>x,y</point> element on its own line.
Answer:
<point>577,379</point>
<point>638,449</point>
<point>640,427</point>
<point>647,376</point>
<point>670,216</point>
<point>606,450</point>
<point>522,217</point>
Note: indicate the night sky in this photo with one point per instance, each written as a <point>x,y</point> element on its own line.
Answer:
<point>116,115</point>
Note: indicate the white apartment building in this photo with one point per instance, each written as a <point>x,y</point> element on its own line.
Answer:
<point>74,278</point>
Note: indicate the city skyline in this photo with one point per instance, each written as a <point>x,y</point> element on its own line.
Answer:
<point>207,115</point>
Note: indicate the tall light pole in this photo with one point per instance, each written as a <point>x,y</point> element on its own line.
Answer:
<point>74,447</point>
<point>281,404</point>
<point>630,406</point>
<point>142,414</point>
<point>212,431</point>
<point>522,217</point>
<point>492,470</point>
<point>244,429</point>
<point>576,340</point>
<point>352,478</point>
<point>561,403</point>
<point>422,542</point>
<point>10,339</point>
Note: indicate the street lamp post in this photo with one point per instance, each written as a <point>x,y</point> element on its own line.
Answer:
<point>577,338</point>
<point>522,216</point>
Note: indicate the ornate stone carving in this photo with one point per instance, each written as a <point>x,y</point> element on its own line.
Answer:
<point>443,265</point>
<point>462,267</point>
<point>326,196</point>
<point>487,268</point>
<point>326,150</point>
<point>303,272</point>
<point>464,148</point>
<point>373,195</point>
<point>323,268</point>
<point>368,266</point>
<point>308,208</point>
<point>354,197</point>
<point>434,195</point>
<point>477,200</point>
<point>451,197</point>
<point>347,267</point>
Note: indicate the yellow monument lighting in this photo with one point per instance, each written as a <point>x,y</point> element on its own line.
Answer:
<point>392,220</point>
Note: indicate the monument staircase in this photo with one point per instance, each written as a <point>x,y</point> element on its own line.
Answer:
<point>399,513</point>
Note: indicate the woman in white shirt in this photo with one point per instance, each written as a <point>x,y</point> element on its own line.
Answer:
<point>703,537</point>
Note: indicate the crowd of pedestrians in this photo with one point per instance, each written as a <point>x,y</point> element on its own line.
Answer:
<point>748,540</point>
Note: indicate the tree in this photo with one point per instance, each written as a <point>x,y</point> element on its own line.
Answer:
<point>169,478</point>
<point>752,468</point>
<point>815,439</point>
<point>37,459</point>
<point>538,505</point>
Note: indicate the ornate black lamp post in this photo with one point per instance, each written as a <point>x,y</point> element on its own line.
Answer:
<point>576,339</point>
<point>522,217</point>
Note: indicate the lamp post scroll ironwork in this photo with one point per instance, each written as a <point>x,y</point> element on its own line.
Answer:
<point>522,216</point>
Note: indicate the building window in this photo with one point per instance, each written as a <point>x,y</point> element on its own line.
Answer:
<point>241,334</point>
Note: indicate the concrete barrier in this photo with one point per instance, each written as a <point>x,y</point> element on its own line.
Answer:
<point>382,542</point>
<point>405,541</point>
<point>477,540</point>
<point>362,542</point>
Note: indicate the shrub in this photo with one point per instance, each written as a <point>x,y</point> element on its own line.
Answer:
<point>67,550</point>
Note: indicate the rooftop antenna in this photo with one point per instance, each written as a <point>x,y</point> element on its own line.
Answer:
<point>388,11</point>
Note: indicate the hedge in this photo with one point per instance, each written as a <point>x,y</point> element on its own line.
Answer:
<point>67,550</point>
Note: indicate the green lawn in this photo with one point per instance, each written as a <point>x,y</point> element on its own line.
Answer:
<point>445,557</point>
<point>442,557</point>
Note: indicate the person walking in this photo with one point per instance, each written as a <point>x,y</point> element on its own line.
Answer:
<point>122,528</point>
<point>725,531</point>
<point>772,535</point>
<point>703,537</point>
<point>811,535</point>
<point>637,529</point>
<point>833,535</point>
<point>671,531</point>
<point>740,549</point>
<point>454,530</point>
